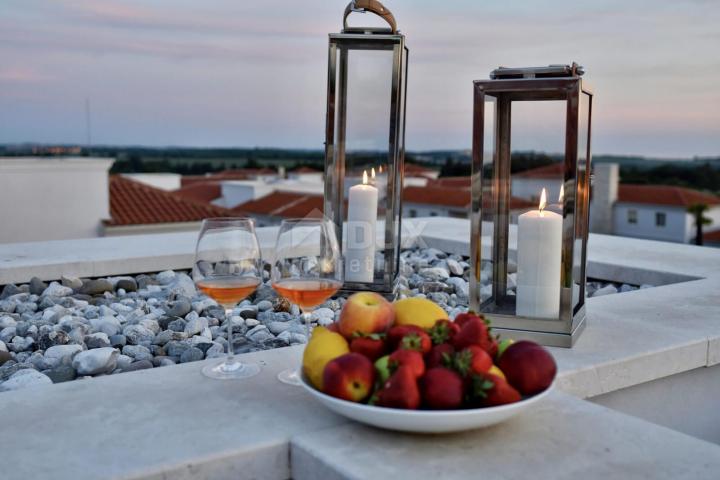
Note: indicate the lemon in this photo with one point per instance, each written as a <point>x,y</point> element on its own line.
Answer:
<point>418,311</point>
<point>323,347</point>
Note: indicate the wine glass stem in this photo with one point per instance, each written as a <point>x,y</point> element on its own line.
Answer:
<point>306,316</point>
<point>231,348</point>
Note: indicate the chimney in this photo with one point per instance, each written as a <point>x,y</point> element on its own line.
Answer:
<point>606,177</point>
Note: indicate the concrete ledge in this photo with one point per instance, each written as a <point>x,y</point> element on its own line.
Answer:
<point>565,438</point>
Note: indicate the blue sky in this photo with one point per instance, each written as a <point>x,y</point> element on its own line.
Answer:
<point>242,73</point>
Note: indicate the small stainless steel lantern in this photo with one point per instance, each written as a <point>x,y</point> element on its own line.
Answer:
<point>365,146</point>
<point>535,291</point>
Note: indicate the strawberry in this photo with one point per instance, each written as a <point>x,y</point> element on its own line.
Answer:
<point>407,358</point>
<point>396,334</point>
<point>443,331</point>
<point>440,356</point>
<point>400,391</point>
<point>490,390</point>
<point>372,346</point>
<point>473,360</point>
<point>461,318</point>
<point>442,389</point>
<point>419,341</point>
<point>474,331</point>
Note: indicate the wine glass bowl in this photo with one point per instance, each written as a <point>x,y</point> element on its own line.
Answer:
<point>307,270</point>
<point>228,268</point>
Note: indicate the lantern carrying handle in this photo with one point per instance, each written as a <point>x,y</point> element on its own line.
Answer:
<point>373,6</point>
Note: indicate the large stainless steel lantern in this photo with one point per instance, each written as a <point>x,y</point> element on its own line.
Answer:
<point>529,278</point>
<point>364,146</point>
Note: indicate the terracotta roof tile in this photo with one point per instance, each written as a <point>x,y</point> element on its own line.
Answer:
<point>554,170</point>
<point>204,192</point>
<point>283,204</point>
<point>461,182</point>
<point>133,203</point>
<point>712,236</point>
<point>664,195</point>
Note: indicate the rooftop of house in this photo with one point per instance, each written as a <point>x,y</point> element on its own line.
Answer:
<point>133,203</point>
<point>204,192</point>
<point>283,204</point>
<point>413,169</point>
<point>664,195</point>
<point>451,197</point>
<point>554,170</point>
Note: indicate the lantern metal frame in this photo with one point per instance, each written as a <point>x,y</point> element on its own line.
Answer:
<point>340,44</point>
<point>559,83</point>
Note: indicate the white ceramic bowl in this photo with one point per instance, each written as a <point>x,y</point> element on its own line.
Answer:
<point>424,421</point>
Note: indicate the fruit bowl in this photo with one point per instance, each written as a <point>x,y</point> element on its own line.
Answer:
<point>424,421</point>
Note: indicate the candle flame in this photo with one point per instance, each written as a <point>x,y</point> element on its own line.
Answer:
<point>372,173</point>
<point>543,200</point>
<point>562,193</point>
<point>365,179</point>
<point>380,169</point>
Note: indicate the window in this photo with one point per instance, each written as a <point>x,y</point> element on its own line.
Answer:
<point>413,213</point>
<point>632,216</point>
<point>433,214</point>
<point>660,218</point>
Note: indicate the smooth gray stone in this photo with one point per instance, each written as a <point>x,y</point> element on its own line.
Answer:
<point>37,286</point>
<point>61,373</point>
<point>139,365</point>
<point>177,325</point>
<point>97,340</point>
<point>71,282</point>
<point>93,362</point>
<point>118,341</point>
<point>179,308</point>
<point>9,290</point>
<point>27,378</point>
<point>127,284</point>
<point>96,287</point>
<point>4,357</point>
<point>192,354</point>
<point>138,335</point>
<point>138,352</point>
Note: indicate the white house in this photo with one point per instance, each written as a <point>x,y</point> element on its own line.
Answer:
<point>53,198</point>
<point>655,212</point>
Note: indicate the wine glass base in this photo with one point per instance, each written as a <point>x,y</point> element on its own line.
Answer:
<point>230,371</point>
<point>291,376</point>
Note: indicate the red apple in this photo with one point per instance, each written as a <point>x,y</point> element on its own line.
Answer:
<point>349,377</point>
<point>365,313</point>
<point>528,367</point>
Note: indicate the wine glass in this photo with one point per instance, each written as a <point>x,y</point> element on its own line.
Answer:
<point>228,268</point>
<point>308,269</point>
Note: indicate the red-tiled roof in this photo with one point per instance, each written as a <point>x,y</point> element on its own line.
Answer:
<point>664,195</point>
<point>283,204</point>
<point>451,197</point>
<point>239,174</point>
<point>414,169</point>
<point>554,170</point>
<point>305,170</point>
<point>133,203</point>
<point>204,192</point>
<point>454,182</point>
<point>713,237</point>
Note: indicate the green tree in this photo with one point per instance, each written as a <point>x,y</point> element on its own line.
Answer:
<point>698,212</point>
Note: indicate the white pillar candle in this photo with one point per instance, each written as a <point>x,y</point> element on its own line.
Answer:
<point>361,224</point>
<point>539,248</point>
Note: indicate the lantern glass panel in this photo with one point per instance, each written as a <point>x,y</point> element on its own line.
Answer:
<point>580,206</point>
<point>366,126</point>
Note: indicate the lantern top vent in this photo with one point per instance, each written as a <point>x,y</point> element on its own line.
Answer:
<point>551,71</point>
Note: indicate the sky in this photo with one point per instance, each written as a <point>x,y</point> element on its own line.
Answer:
<point>253,73</point>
